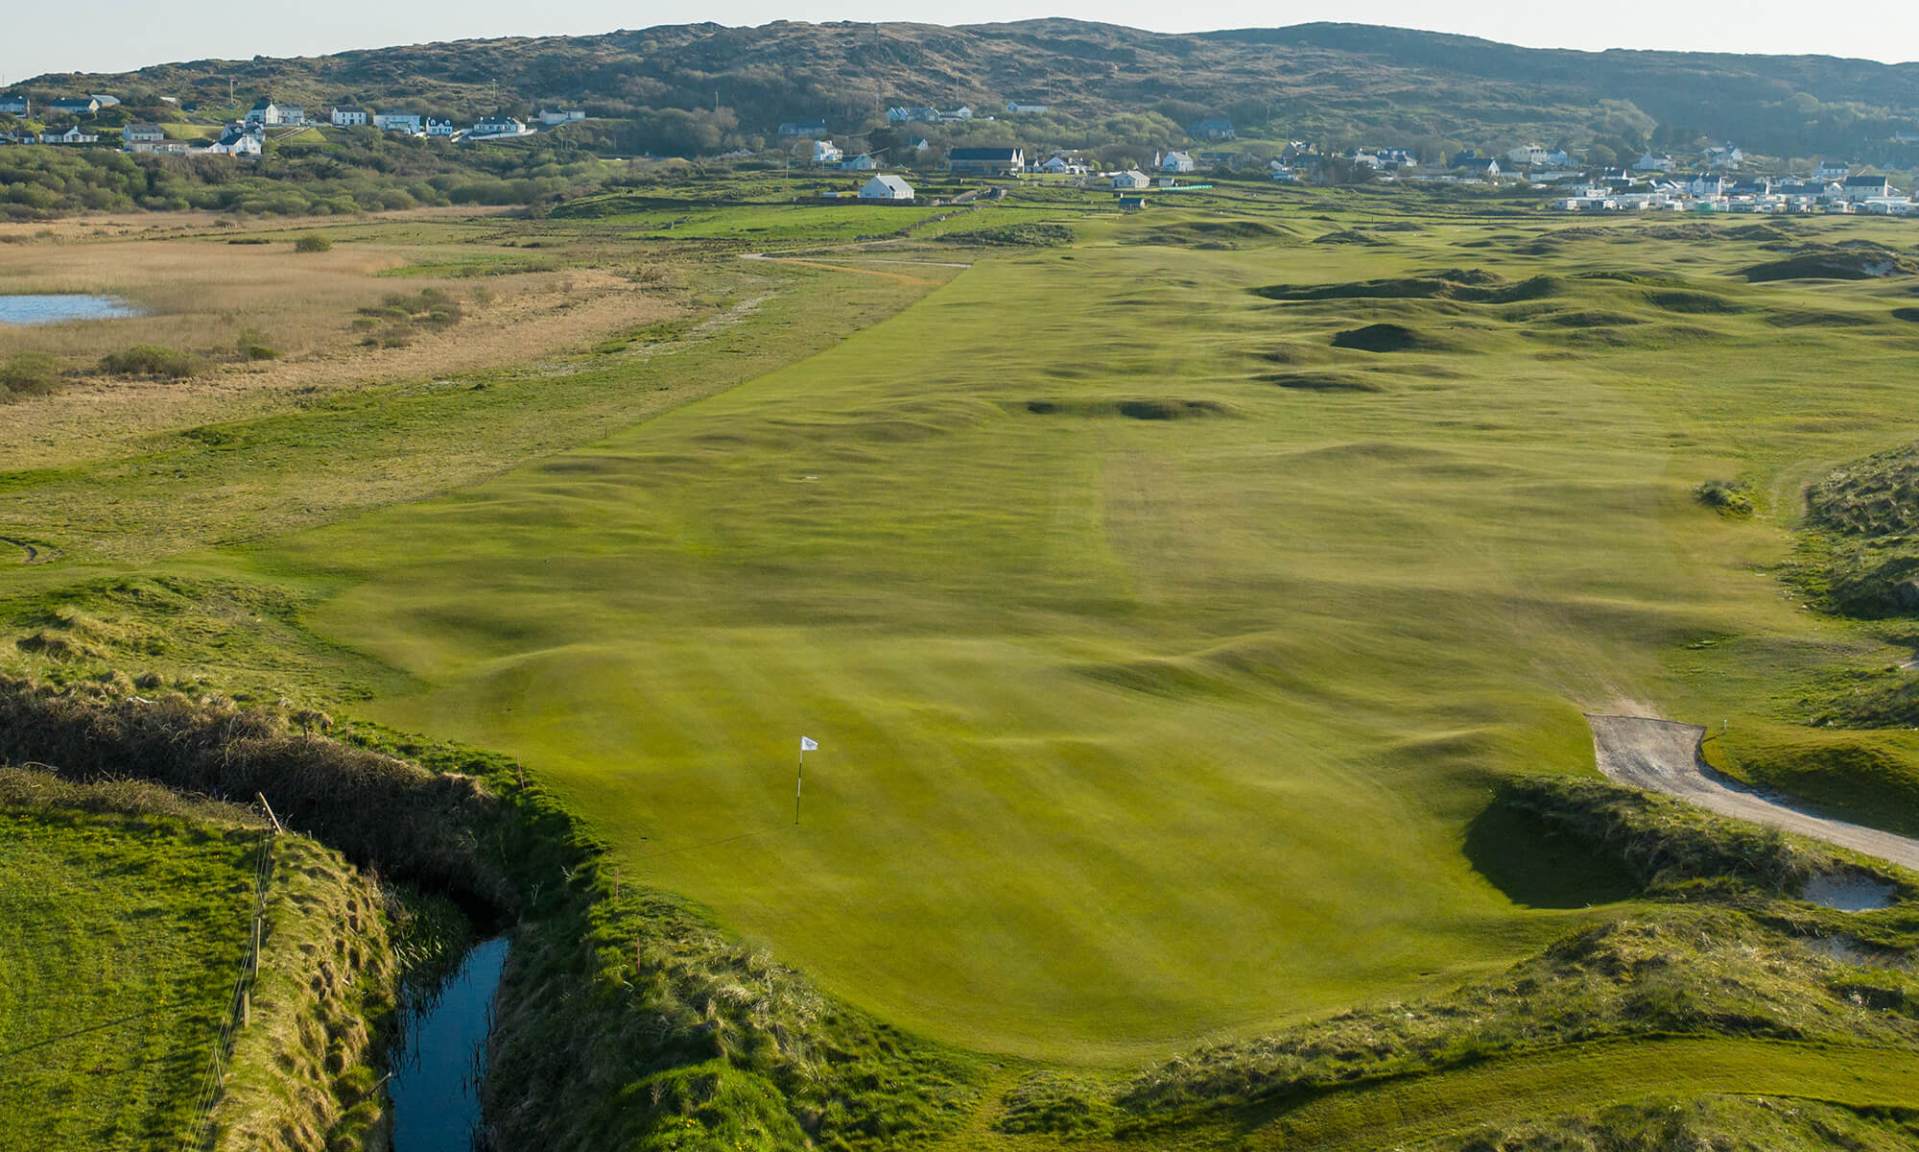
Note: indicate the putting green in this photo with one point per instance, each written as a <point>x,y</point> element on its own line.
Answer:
<point>1155,689</point>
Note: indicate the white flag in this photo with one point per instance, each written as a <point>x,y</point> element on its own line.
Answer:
<point>808,744</point>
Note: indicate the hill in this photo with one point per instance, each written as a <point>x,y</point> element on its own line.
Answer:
<point>702,88</point>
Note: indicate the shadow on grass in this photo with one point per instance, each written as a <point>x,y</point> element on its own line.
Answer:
<point>1539,868</point>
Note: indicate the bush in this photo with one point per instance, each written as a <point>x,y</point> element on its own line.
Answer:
<point>1728,498</point>
<point>253,346</point>
<point>313,244</point>
<point>151,360</point>
<point>28,374</point>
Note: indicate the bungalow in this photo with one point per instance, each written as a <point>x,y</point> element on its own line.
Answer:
<point>900,114</point>
<point>1175,162</point>
<point>864,162</point>
<point>1652,163</point>
<point>496,128</point>
<point>809,129</point>
<point>1213,128</point>
<point>408,122</point>
<point>158,147</point>
<point>1832,170</point>
<point>986,161</point>
<point>826,152</point>
<point>1131,180</point>
<point>266,114</point>
<point>557,116</point>
<point>15,105</point>
<point>1481,168</point>
<point>1063,165</point>
<point>1019,109</point>
<point>887,187</point>
<point>72,135</point>
<point>1860,188</point>
<point>84,106</point>
<point>1530,156</point>
<point>348,117</point>
<point>963,112</point>
<point>1396,158</point>
<point>293,115</point>
<point>142,134</point>
<point>440,129</point>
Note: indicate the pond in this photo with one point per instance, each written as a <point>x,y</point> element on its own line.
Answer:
<point>435,1087</point>
<point>58,308</point>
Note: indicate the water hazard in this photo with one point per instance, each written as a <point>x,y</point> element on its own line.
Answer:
<point>435,1087</point>
<point>61,307</point>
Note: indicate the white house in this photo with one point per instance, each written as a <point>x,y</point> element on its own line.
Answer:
<point>1176,162</point>
<point>236,141</point>
<point>963,112</point>
<point>1019,109</point>
<point>84,107</point>
<point>886,187</point>
<point>440,129</point>
<point>408,122</point>
<point>1652,163</point>
<point>864,162</point>
<point>1063,165</point>
<point>1859,189</point>
<point>555,116</point>
<point>496,128</point>
<point>72,135</point>
<point>159,147</point>
<point>267,114</point>
<point>826,152</point>
<point>1832,170</point>
<point>1725,156</point>
<point>1530,156</point>
<point>1707,186</point>
<point>11,105</point>
<point>348,117</point>
<point>142,134</point>
<point>1131,180</point>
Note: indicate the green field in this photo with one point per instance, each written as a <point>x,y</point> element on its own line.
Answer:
<point>1168,606</point>
<point>120,939</point>
<point>1155,693</point>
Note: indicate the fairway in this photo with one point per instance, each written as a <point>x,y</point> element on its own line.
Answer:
<point>1160,651</point>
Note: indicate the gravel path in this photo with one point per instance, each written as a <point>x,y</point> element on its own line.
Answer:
<point>1664,756</point>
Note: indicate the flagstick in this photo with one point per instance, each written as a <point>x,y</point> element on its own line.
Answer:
<point>799,780</point>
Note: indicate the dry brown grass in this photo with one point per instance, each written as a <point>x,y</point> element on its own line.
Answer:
<point>203,294</point>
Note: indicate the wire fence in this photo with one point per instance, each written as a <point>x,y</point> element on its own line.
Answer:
<point>240,1006</point>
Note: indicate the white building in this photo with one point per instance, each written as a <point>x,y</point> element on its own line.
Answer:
<point>440,129</point>
<point>348,117</point>
<point>555,116</point>
<point>1063,165</point>
<point>1019,109</point>
<point>826,152</point>
<point>236,141</point>
<point>142,134</point>
<point>1176,162</point>
<point>408,122</point>
<point>864,162</point>
<point>72,135</point>
<point>1832,170</point>
<point>1131,180</point>
<point>886,187</point>
<point>1652,163</point>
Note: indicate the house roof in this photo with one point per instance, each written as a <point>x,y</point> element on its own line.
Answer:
<point>1864,181</point>
<point>1006,154</point>
<point>892,182</point>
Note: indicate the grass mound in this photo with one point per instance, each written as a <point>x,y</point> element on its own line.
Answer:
<point>1864,776</point>
<point>1692,303</point>
<point>152,361</point>
<point>1349,236</point>
<point>1321,382</point>
<point>1472,286</point>
<point>1863,518</point>
<point>1726,497</point>
<point>1385,338</point>
<point>1129,409</point>
<point>1211,233</point>
<point>1836,262</point>
<point>27,374</point>
<point>1014,236</point>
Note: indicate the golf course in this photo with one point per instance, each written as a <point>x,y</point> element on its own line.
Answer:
<point>1176,600</point>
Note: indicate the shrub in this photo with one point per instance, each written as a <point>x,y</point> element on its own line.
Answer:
<point>151,360</point>
<point>253,346</point>
<point>28,374</point>
<point>313,244</point>
<point>1728,498</point>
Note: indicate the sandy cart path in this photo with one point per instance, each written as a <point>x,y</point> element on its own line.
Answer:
<point>1664,756</point>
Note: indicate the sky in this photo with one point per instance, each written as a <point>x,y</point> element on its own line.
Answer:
<point>119,35</point>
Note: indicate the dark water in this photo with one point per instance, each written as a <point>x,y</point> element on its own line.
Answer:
<point>56,308</point>
<point>436,1079</point>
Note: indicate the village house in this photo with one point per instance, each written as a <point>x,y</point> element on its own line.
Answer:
<point>887,187</point>
<point>1131,180</point>
<point>15,105</point>
<point>1478,168</point>
<point>83,106</point>
<point>1860,188</point>
<point>440,129</point>
<point>1707,186</point>
<point>864,162</point>
<point>267,114</point>
<point>962,113</point>
<point>1132,203</point>
<point>986,161</point>
<point>554,117</point>
<point>158,147</point>
<point>347,117</point>
<point>1063,165</point>
<point>497,127</point>
<point>237,140</point>
<point>808,129</point>
<point>826,152</point>
<point>408,122</point>
<point>72,135</point>
<point>1652,163</point>
<point>1213,128</point>
<point>142,134</point>
<point>904,115</point>
<point>1832,170</point>
<point>1725,157</point>
<point>1175,162</point>
<point>1018,109</point>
